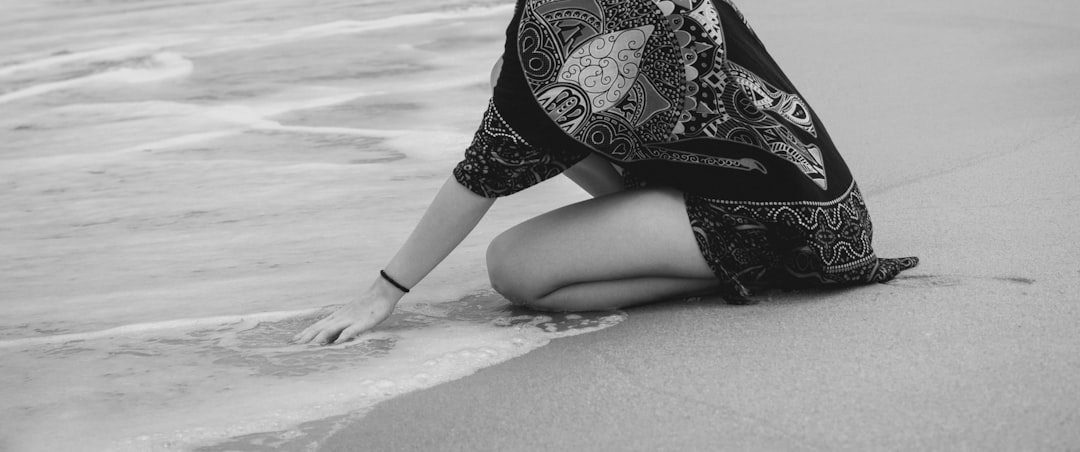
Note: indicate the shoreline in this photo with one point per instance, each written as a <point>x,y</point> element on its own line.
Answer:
<point>958,121</point>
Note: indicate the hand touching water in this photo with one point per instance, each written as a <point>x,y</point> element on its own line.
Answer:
<point>350,320</point>
<point>455,211</point>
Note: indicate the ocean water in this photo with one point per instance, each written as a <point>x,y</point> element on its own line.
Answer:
<point>186,184</point>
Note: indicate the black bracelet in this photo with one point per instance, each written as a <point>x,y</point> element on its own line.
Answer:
<point>391,281</point>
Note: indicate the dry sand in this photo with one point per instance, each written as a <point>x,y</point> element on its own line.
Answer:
<point>960,119</point>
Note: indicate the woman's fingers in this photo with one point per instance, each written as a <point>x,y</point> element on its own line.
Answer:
<point>347,322</point>
<point>320,339</point>
<point>333,331</point>
<point>349,333</point>
<point>329,333</point>
<point>306,335</point>
<point>313,331</point>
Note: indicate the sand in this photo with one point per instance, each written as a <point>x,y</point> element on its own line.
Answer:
<point>960,121</point>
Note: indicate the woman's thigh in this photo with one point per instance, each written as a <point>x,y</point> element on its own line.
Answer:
<point>634,234</point>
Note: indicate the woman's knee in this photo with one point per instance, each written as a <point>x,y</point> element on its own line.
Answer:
<point>514,276</point>
<point>503,272</point>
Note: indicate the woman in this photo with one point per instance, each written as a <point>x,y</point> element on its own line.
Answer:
<point>710,173</point>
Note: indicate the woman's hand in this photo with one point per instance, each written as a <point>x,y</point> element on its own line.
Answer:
<point>352,319</point>
<point>454,212</point>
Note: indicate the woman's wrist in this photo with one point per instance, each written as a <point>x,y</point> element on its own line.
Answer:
<point>384,289</point>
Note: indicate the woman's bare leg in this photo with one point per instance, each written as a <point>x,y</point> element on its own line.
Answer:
<point>624,249</point>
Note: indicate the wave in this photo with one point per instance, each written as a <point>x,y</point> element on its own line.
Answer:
<point>107,53</point>
<point>345,27</point>
<point>353,26</point>
<point>234,119</point>
<point>256,117</point>
<point>223,380</point>
<point>189,324</point>
<point>156,67</point>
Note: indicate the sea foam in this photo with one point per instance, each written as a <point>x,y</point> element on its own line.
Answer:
<point>104,54</point>
<point>347,27</point>
<point>156,67</point>
<point>185,186</point>
<point>201,381</point>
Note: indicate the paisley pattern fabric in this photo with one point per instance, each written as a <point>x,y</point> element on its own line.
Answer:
<point>680,93</point>
<point>499,162</point>
<point>792,245</point>
<point>641,80</point>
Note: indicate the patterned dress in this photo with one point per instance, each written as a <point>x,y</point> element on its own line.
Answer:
<point>683,94</point>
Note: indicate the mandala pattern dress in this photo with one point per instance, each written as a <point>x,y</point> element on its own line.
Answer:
<point>683,94</point>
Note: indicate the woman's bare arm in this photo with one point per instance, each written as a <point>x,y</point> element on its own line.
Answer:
<point>596,175</point>
<point>448,220</point>
<point>452,215</point>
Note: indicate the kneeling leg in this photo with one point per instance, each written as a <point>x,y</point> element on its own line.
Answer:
<point>624,249</point>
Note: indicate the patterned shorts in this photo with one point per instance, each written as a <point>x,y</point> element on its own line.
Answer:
<point>791,245</point>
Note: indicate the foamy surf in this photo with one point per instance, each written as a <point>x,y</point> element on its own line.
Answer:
<point>166,168</point>
<point>236,321</point>
<point>236,380</point>
<point>104,54</point>
<point>156,67</point>
<point>349,27</point>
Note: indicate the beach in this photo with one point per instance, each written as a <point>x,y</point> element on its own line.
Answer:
<point>959,121</point>
<point>187,185</point>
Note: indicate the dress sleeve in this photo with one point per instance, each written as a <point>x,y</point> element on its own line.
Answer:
<point>499,162</point>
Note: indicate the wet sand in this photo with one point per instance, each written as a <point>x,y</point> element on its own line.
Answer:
<point>959,120</point>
